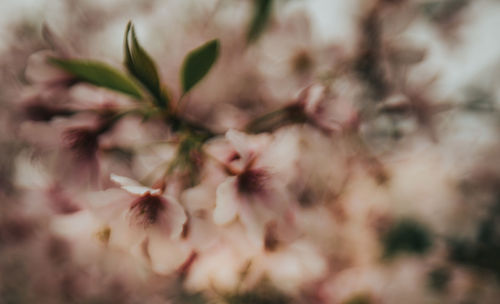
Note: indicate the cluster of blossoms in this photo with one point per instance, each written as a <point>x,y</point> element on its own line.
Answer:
<point>281,171</point>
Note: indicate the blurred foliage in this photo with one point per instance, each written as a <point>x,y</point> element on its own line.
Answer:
<point>291,114</point>
<point>482,253</point>
<point>257,297</point>
<point>185,297</point>
<point>439,278</point>
<point>442,10</point>
<point>124,155</point>
<point>479,100</point>
<point>189,158</point>
<point>368,63</point>
<point>260,19</point>
<point>263,293</point>
<point>406,236</point>
<point>359,299</point>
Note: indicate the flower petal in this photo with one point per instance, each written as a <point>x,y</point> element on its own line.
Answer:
<point>123,235</point>
<point>133,186</point>
<point>239,142</point>
<point>166,255</point>
<point>141,190</point>
<point>254,224</point>
<point>219,269</point>
<point>109,204</point>
<point>39,70</point>
<point>123,181</point>
<point>248,146</point>
<point>312,97</point>
<point>176,217</point>
<point>226,202</point>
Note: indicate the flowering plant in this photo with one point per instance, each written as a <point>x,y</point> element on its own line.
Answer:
<point>281,169</point>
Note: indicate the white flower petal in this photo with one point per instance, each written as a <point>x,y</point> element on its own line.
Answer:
<point>166,255</point>
<point>239,142</point>
<point>80,230</point>
<point>75,225</point>
<point>39,70</point>
<point>278,200</point>
<point>313,262</point>
<point>30,174</point>
<point>329,125</point>
<point>202,233</point>
<point>219,268</point>
<point>176,217</point>
<point>40,134</point>
<point>141,190</point>
<point>109,204</point>
<point>313,96</point>
<point>254,224</point>
<point>200,197</point>
<point>226,202</point>
<point>123,181</point>
<point>133,186</point>
<point>123,234</point>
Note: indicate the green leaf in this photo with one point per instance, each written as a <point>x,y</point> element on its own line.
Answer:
<point>262,14</point>
<point>142,67</point>
<point>99,74</point>
<point>197,64</point>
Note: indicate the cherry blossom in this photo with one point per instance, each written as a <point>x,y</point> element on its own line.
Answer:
<point>141,216</point>
<point>250,194</point>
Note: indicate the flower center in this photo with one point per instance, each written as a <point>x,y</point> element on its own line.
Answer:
<point>82,141</point>
<point>147,208</point>
<point>38,111</point>
<point>252,181</point>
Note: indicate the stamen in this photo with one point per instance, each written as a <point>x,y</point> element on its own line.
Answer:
<point>234,156</point>
<point>146,209</point>
<point>252,181</point>
<point>82,141</point>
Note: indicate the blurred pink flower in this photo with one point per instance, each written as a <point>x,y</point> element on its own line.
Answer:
<point>141,216</point>
<point>251,193</point>
<point>40,72</point>
<point>288,267</point>
<point>325,111</point>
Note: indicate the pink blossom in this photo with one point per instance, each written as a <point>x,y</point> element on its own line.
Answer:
<point>142,216</point>
<point>250,194</point>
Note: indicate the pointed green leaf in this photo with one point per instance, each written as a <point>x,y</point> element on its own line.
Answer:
<point>128,57</point>
<point>99,74</point>
<point>197,64</point>
<point>262,14</point>
<point>142,66</point>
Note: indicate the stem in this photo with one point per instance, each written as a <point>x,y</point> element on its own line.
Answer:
<point>293,113</point>
<point>265,122</point>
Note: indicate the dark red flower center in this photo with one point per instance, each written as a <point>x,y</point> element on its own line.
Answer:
<point>82,141</point>
<point>38,111</point>
<point>147,208</point>
<point>252,181</point>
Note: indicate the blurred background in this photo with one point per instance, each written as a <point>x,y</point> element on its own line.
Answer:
<point>395,172</point>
